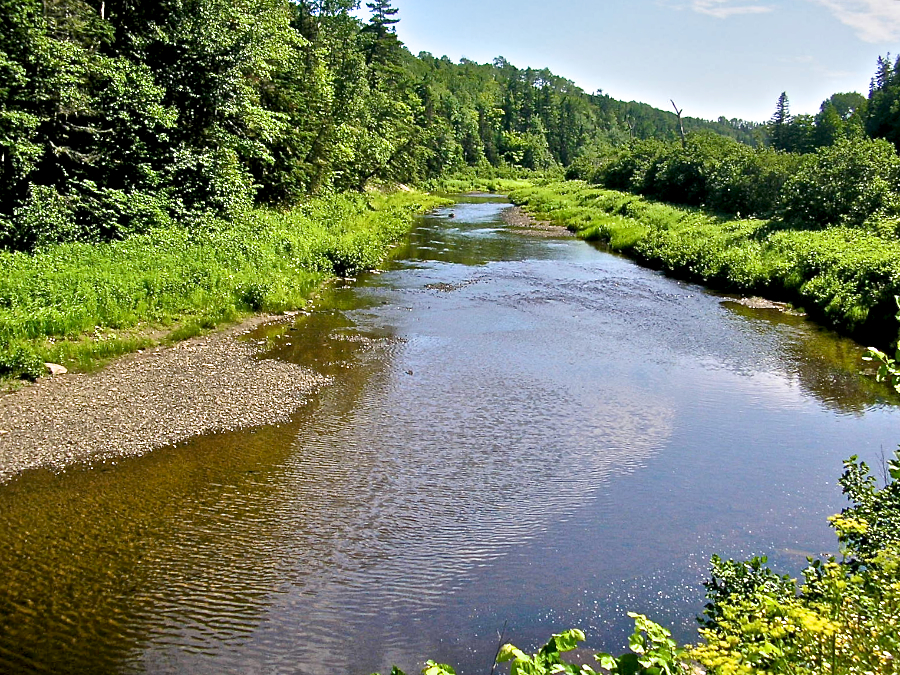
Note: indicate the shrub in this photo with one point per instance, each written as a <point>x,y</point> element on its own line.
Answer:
<point>844,184</point>
<point>17,361</point>
<point>842,619</point>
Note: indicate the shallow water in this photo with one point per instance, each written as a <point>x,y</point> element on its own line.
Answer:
<point>522,431</point>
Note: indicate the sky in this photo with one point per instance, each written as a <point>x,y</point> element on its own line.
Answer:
<point>715,58</point>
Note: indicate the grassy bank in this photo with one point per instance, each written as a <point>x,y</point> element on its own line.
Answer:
<point>844,277</point>
<point>78,304</point>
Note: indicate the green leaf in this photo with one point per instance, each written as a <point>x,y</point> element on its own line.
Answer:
<point>636,643</point>
<point>568,640</point>
<point>509,652</point>
<point>628,665</point>
<point>607,662</point>
<point>434,668</point>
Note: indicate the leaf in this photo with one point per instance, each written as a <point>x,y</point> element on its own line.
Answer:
<point>509,652</point>
<point>434,668</point>
<point>607,662</point>
<point>628,665</point>
<point>636,643</point>
<point>894,469</point>
<point>568,640</point>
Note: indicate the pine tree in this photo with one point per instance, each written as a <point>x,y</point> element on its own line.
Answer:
<point>382,47</point>
<point>382,21</point>
<point>779,123</point>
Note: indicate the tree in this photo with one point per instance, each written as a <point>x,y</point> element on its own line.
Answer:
<point>778,125</point>
<point>680,123</point>
<point>883,114</point>
<point>382,20</point>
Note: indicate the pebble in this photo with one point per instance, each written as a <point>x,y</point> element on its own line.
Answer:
<point>149,400</point>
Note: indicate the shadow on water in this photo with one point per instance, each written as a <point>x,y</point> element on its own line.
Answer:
<point>827,365</point>
<point>520,430</point>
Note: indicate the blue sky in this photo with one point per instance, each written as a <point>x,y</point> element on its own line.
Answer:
<point>713,57</point>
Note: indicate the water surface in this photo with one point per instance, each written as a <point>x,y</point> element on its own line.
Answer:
<point>523,430</point>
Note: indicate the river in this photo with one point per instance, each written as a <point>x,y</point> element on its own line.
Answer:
<point>522,430</point>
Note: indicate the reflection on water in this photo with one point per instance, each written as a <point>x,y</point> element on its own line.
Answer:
<point>522,430</point>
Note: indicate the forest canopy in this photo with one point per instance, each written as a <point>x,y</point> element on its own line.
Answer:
<point>118,116</point>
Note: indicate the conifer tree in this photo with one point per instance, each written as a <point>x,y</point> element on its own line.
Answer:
<point>779,123</point>
<point>383,17</point>
<point>381,45</point>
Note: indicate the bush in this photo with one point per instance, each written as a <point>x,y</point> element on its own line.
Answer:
<point>629,169</point>
<point>707,170</point>
<point>842,619</point>
<point>844,184</point>
<point>653,652</point>
<point>17,361</point>
<point>748,181</point>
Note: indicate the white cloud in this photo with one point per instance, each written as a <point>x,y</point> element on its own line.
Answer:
<point>722,9</point>
<point>875,21</point>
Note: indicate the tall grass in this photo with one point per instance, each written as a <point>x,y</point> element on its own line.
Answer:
<point>78,303</point>
<point>845,277</point>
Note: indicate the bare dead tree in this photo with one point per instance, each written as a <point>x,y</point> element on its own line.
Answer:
<point>631,124</point>
<point>680,123</point>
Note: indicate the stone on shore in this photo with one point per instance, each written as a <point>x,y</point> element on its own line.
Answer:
<point>56,369</point>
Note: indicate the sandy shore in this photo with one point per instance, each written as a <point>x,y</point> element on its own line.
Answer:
<point>148,400</point>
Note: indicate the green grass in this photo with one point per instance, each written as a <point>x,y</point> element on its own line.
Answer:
<point>844,277</point>
<point>80,304</point>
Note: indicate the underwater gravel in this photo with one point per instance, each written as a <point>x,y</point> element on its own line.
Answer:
<point>148,400</point>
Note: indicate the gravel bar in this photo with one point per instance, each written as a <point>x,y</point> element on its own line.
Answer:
<point>518,218</point>
<point>149,400</point>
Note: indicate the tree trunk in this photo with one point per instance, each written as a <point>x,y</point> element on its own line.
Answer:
<point>680,124</point>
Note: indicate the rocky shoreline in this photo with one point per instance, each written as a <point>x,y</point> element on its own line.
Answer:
<point>518,218</point>
<point>148,400</point>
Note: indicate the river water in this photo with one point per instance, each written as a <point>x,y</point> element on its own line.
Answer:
<point>523,431</point>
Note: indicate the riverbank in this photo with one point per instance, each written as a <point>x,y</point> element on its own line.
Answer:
<point>81,304</point>
<point>148,400</point>
<point>149,304</point>
<point>845,278</point>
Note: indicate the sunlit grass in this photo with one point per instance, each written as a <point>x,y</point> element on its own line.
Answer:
<point>79,304</point>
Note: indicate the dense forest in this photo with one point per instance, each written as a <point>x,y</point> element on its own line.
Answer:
<point>120,115</point>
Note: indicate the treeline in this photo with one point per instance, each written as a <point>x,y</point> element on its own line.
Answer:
<point>839,167</point>
<point>118,116</point>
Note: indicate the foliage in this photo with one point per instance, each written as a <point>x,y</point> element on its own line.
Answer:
<point>653,652</point>
<point>888,368</point>
<point>76,302</point>
<point>853,182</point>
<point>124,117</point>
<point>842,619</point>
<point>850,183</point>
<point>18,361</point>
